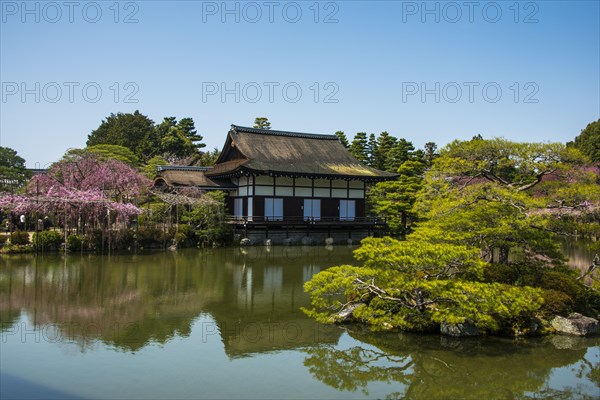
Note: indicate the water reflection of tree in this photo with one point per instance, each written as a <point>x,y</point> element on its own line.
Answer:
<point>354,368</point>
<point>126,302</point>
<point>424,367</point>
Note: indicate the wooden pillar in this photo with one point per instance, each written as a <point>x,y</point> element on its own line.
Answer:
<point>253,194</point>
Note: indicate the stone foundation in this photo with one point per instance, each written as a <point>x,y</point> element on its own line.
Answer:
<point>260,237</point>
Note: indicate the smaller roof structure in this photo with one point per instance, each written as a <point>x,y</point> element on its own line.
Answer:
<point>186,176</point>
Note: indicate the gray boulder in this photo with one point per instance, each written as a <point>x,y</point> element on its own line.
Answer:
<point>465,329</point>
<point>575,324</point>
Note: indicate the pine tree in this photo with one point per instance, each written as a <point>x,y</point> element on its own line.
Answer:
<point>399,154</point>
<point>358,147</point>
<point>385,144</point>
<point>262,123</point>
<point>371,150</point>
<point>343,139</point>
<point>187,126</point>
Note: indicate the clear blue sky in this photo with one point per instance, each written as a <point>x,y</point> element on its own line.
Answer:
<point>423,71</point>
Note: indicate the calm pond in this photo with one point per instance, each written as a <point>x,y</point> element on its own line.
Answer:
<point>226,324</point>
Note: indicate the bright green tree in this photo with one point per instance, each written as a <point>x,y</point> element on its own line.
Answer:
<point>149,170</point>
<point>105,152</point>
<point>416,285</point>
<point>517,166</point>
<point>487,216</point>
<point>482,201</point>
<point>209,158</point>
<point>588,141</point>
<point>479,192</point>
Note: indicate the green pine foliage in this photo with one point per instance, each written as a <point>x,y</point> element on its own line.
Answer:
<point>588,141</point>
<point>359,147</point>
<point>394,200</point>
<point>416,286</point>
<point>483,249</point>
<point>170,139</point>
<point>13,175</point>
<point>343,139</point>
<point>262,123</point>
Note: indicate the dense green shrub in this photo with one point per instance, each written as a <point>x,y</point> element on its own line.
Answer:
<point>17,249</point>
<point>153,238</point>
<point>556,303</point>
<point>19,238</point>
<point>562,292</point>
<point>48,240</point>
<point>76,243</point>
<point>3,239</point>
<point>562,282</point>
<point>207,220</point>
<point>181,239</point>
<point>185,236</point>
<point>221,234</point>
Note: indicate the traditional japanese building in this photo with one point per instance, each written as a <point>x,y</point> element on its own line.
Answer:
<point>289,185</point>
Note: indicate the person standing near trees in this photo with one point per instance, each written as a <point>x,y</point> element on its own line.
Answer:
<point>22,222</point>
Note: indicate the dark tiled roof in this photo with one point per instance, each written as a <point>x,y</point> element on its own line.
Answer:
<point>290,153</point>
<point>270,132</point>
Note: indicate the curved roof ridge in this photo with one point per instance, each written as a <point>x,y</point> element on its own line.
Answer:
<point>257,131</point>
<point>160,168</point>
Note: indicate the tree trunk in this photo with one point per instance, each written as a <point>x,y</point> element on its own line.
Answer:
<point>403,221</point>
<point>503,254</point>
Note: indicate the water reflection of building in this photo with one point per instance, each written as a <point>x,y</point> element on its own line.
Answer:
<point>578,253</point>
<point>263,311</point>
